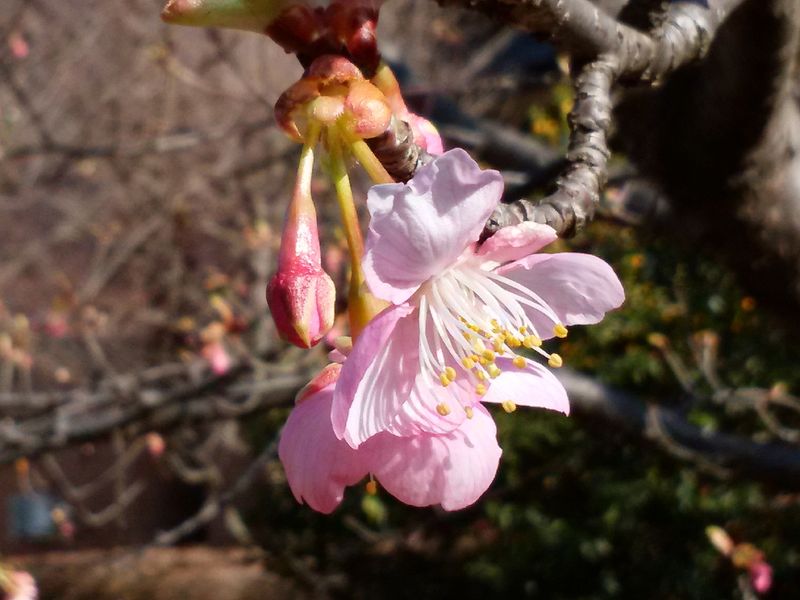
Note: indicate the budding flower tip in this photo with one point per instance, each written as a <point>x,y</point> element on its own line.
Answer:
<point>304,335</point>
<point>181,12</point>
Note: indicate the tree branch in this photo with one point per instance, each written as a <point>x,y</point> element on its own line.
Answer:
<point>683,35</point>
<point>774,463</point>
<point>154,409</point>
<point>575,25</point>
<point>82,416</point>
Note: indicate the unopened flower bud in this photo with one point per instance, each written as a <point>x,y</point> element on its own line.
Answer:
<point>761,576</point>
<point>301,295</point>
<point>354,24</point>
<point>296,28</point>
<point>155,444</point>
<point>720,539</point>
<point>250,15</point>
<point>302,303</point>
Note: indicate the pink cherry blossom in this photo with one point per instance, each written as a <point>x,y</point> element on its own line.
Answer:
<point>461,311</point>
<point>452,470</point>
<point>20,586</point>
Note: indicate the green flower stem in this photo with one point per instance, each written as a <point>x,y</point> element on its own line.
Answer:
<point>366,157</point>
<point>362,306</point>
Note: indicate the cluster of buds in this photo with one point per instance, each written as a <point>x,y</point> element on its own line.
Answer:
<point>344,27</point>
<point>743,556</point>
<point>348,100</point>
<point>333,93</point>
<point>335,103</point>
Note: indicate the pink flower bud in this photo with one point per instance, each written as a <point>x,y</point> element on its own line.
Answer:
<point>302,302</point>
<point>354,24</point>
<point>67,530</point>
<point>155,444</point>
<point>761,576</point>
<point>18,44</point>
<point>301,295</point>
<point>217,356</point>
<point>426,134</point>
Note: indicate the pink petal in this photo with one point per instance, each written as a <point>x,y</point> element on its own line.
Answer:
<point>337,356</point>
<point>420,228</point>
<point>453,469</point>
<point>363,367</point>
<point>534,385</point>
<point>580,288</point>
<point>517,241</point>
<point>426,134</point>
<point>418,413</point>
<point>318,465</point>
<point>381,388</point>
<point>20,586</point>
<point>325,378</point>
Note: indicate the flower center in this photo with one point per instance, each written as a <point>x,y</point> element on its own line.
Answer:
<point>468,318</point>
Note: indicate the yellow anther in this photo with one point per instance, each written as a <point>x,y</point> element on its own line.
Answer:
<point>494,371</point>
<point>372,487</point>
<point>475,357</point>
<point>444,379</point>
<point>468,363</point>
<point>555,361</point>
<point>488,355</point>
<point>467,335</point>
<point>485,362</point>
<point>523,329</point>
<point>532,341</point>
<point>560,331</point>
<point>480,389</point>
<point>508,406</point>
<point>480,375</point>
<point>495,323</point>
<point>519,362</point>
<point>497,344</point>
<point>450,372</point>
<point>513,342</point>
<point>443,409</point>
<point>468,411</point>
